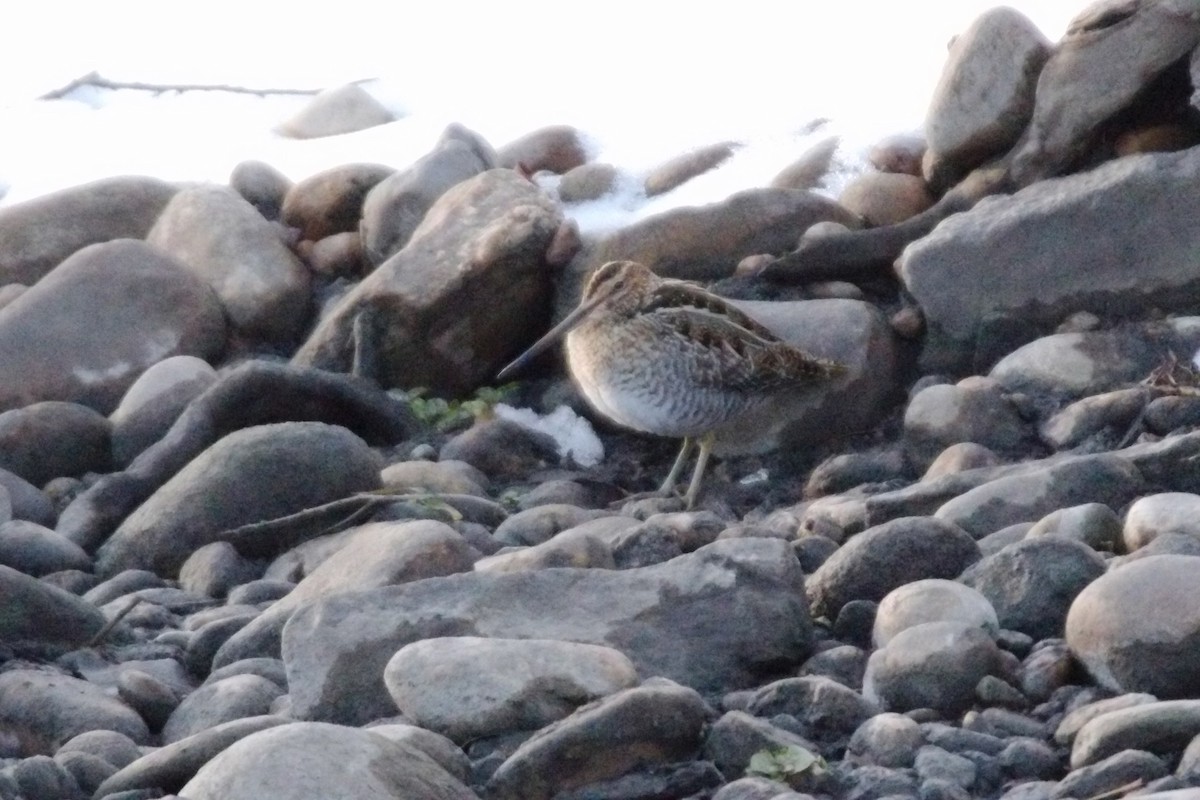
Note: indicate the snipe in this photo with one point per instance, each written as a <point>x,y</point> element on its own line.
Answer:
<point>666,357</point>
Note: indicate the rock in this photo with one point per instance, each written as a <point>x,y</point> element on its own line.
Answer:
<point>331,201</point>
<point>339,255</point>
<point>262,186</point>
<point>658,723</point>
<point>1122,769</point>
<point>500,448</point>
<point>1163,415</point>
<point>575,547</point>
<point>885,557</point>
<point>26,500</point>
<point>37,551</point>
<point>843,663</point>
<point>1137,628</point>
<point>935,665</point>
<point>52,439</point>
<point>42,778</point>
<point>960,457</point>
<point>1112,52</point>
<point>46,709</point>
<point>554,148</point>
<point>810,169</point>
<point>439,477</point>
<point>153,403</point>
<point>38,612</point>
<point>886,740</point>
<point>376,554</point>
<point>434,745</point>
<point>681,169</point>
<point>975,410</point>
<point>34,240</point>
<point>153,699</point>
<point>992,278</point>
<point>1074,721</point>
<point>216,568</point>
<point>934,763</point>
<point>985,96</point>
<point>469,688</point>
<point>311,760</point>
<point>433,321</point>
<point>237,697</point>
<point>588,182</point>
<point>1032,583</point>
<point>824,707</point>
<point>224,241</point>
<point>704,242</point>
<point>253,393</point>
<point>648,613</point>
<point>59,348</point>
<point>87,771</point>
<point>1093,524</point>
<point>899,153</point>
<point>341,109</point>
<point>395,207</point>
<point>1074,365</point>
<point>885,198</point>
<point>844,472</point>
<point>736,737</point>
<point>251,475</point>
<point>1155,515</point>
<point>169,768</point>
<point>1029,495</point>
<point>536,525</point>
<point>1103,415</point>
<point>115,748</point>
<point>932,600</point>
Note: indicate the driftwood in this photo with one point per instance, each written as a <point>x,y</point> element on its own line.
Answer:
<point>256,393</point>
<point>1114,58</point>
<point>94,80</point>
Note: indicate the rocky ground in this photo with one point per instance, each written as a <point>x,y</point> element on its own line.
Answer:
<point>241,557</point>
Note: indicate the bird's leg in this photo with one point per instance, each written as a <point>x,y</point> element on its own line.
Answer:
<point>669,484</point>
<point>706,445</point>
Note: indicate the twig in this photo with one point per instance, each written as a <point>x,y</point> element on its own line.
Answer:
<point>1119,791</point>
<point>94,79</point>
<point>112,623</point>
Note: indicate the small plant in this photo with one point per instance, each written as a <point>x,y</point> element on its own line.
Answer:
<point>447,415</point>
<point>786,764</point>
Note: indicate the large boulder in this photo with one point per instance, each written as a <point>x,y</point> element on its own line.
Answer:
<point>37,235</point>
<point>315,761</point>
<point>251,475</point>
<point>1075,365</point>
<point>35,611</point>
<point>1111,54</point>
<point>88,329</point>
<point>1137,628</point>
<point>992,278</point>
<point>396,205</point>
<point>377,554</point>
<point>429,315</point>
<point>45,709</point>
<point>223,239</point>
<point>555,148</point>
<point>985,96</point>
<point>715,619</point>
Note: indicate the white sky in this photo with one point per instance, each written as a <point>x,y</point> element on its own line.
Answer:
<point>647,78</point>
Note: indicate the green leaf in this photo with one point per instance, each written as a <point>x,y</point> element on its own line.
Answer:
<point>783,763</point>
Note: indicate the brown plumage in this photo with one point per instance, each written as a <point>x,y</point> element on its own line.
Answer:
<point>667,357</point>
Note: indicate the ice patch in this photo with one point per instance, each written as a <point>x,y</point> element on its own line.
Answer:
<point>574,434</point>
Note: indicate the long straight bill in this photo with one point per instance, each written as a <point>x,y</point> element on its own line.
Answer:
<point>552,336</point>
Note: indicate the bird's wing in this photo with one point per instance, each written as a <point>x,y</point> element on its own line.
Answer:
<point>730,350</point>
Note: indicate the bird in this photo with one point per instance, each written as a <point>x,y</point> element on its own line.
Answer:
<point>667,357</point>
